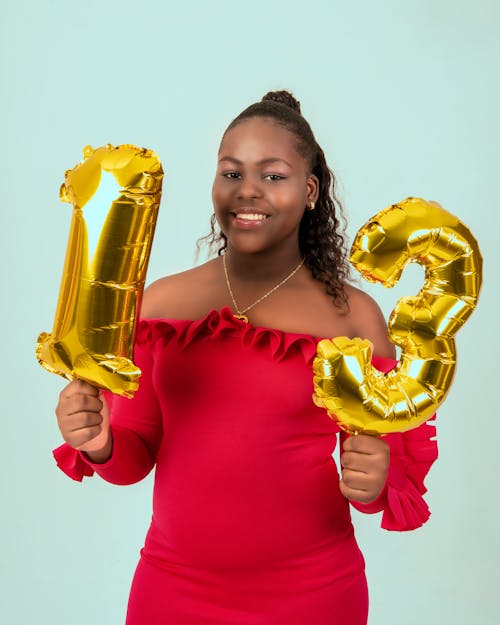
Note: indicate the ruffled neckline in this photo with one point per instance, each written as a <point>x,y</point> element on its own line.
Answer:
<point>222,323</point>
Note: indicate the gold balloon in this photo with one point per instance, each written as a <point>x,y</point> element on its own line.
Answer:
<point>353,392</point>
<point>99,297</point>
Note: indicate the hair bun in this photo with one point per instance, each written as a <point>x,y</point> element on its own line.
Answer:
<point>283,97</point>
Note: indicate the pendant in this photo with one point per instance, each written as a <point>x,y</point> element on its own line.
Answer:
<point>241,317</point>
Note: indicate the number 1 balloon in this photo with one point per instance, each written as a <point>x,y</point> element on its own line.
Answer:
<point>353,392</point>
<point>96,314</point>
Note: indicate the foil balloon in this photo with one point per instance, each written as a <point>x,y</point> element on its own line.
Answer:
<point>353,392</point>
<point>101,288</point>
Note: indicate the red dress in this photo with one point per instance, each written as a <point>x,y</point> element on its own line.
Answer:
<point>249,526</point>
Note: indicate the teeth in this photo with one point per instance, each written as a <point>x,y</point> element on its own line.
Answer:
<point>250,216</point>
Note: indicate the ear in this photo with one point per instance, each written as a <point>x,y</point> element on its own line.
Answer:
<point>312,183</point>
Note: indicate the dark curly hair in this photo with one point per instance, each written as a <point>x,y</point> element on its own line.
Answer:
<point>321,231</point>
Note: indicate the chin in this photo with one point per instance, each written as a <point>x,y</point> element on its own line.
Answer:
<point>245,243</point>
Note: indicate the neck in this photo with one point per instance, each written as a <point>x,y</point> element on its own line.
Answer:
<point>261,266</point>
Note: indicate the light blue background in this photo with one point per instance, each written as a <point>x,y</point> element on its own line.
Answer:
<point>404,97</point>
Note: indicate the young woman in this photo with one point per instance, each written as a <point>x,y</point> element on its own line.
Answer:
<point>251,522</point>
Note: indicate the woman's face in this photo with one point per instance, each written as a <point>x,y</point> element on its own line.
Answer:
<point>261,187</point>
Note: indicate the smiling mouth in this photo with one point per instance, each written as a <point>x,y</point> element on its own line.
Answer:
<point>250,216</point>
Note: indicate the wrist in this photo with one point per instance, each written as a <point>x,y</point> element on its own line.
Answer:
<point>100,456</point>
<point>375,505</point>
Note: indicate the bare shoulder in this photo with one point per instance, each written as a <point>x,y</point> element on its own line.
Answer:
<point>159,296</point>
<point>360,303</point>
<point>367,321</point>
<point>185,295</point>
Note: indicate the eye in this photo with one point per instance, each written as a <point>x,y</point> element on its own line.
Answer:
<point>231,175</point>
<point>274,177</point>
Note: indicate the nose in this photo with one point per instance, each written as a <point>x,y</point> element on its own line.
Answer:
<point>249,188</point>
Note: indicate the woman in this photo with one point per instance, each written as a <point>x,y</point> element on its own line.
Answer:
<point>251,522</point>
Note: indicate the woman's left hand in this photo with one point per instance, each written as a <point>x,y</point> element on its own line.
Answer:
<point>365,462</point>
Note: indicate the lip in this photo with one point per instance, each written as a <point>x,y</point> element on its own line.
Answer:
<point>246,210</point>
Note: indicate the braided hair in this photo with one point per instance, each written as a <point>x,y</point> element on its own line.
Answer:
<point>321,238</point>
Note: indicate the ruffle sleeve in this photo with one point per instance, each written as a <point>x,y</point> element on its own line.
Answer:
<point>72,462</point>
<point>412,454</point>
<point>136,428</point>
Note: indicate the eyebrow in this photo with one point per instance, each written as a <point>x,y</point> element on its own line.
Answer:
<point>264,161</point>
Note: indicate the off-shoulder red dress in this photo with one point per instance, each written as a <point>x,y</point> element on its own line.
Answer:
<point>249,526</point>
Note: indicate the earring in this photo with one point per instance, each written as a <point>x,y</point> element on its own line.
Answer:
<point>310,206</point>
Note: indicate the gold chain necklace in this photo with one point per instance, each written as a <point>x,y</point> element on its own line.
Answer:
<point>240,314</point>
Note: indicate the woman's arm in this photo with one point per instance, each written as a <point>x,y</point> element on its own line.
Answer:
<point>120,444</point>
<point>386,474</point>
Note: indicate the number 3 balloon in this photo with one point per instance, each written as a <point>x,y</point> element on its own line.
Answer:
<point>100,295</point>
<point>353,392</point>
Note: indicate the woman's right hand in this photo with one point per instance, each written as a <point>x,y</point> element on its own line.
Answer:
<point>83,418</point>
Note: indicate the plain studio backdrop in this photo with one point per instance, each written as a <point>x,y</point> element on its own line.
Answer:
<point>404,98</point>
